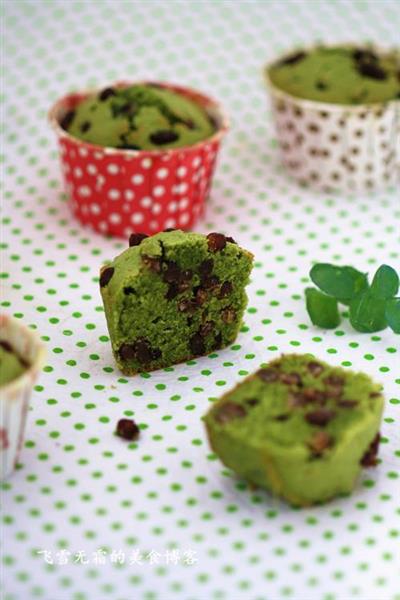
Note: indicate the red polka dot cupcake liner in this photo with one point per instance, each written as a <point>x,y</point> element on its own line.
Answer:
<point>118,192</point>
<point>15,395</point>
<point>334,147</point>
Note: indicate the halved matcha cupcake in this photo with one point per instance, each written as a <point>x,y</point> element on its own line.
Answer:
<point>174,296</point>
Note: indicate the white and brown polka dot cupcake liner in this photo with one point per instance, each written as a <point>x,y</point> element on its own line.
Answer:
<point>333,147</point>
<point>15,395</point>
<point>119,192</point>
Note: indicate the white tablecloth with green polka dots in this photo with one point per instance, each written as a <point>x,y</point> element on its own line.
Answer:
<point>174,524</point>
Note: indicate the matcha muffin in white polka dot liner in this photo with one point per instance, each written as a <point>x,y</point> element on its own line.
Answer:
<point>337,116</point>
<point>138,157</point>
<point>22,356</point>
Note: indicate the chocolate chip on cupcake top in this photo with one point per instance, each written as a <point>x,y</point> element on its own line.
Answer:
<point>138,117</point>
<point>339,75</point>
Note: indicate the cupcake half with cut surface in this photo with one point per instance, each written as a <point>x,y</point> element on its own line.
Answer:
<point>138,157</point>
<point>337,115</point>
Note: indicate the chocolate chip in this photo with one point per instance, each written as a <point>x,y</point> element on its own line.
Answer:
<point>129,290</point>
<point>67,119</point>
<point>283,417</point>
<point>188,306</point>
<point>313,395</point>
<point>321,85</point>
<point>375,395</point>
<point>172,273</point>
<point>106,93</point>
<point>364,55</point>
<point>196,344</point>
<point>106,275</point>
<point>152,262</point>
<point>206,328</point>
<point>315,368</point>
<point>127,351</point>
<point>216,242</point>
<point>200,296</point>
<point>252,401</point>
<point>210,283</point>
<point>136,238</point>
<point>268,375</point>
<point>86,125</point>
<point>6,346</point>
<point>320,441</point>
<point>347,403</point>
<point>187,275</point>
<point>225,289</point>
<point>292,59</point>
<point>371,70</point>
<point>206,267</point>
<point>230,239</point>
<point>127,429</point>
<point>228,315</point>
<point>189,123</point>
<point>172,292</point>
<point>370,457</point>
<point>320,417</point>
<point>163,136</point>
<point>228,411</point>
<point>144,352</point>
<point>290,378</point>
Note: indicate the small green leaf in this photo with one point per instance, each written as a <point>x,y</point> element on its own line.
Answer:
<point>385,283</point>
<point>393,314</point>
<point>322,309</point>
<point>343,283</point>
<point>367,313</point>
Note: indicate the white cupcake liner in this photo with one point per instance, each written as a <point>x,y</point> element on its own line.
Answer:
<point>337,147</point>
<point>15,395</point>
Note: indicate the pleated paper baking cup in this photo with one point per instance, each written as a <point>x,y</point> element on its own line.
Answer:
<point>15,395</point>
<point>119,192</point>
<point>337,147</point>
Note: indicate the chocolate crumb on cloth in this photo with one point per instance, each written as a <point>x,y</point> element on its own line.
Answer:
<point>173,296</point>
<point>299,421</point>
<point>127,429</point>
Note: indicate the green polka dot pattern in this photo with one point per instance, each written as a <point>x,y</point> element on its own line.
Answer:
<point>78,487</point>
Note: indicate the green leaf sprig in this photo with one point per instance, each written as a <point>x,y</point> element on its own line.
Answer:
<point>371,307</point>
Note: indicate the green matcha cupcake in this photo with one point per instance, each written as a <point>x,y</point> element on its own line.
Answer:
<point>336,113</point>
<point>299,427</point>
<point>339,75</point>
<point>139,117</point>
<point>174,296</point>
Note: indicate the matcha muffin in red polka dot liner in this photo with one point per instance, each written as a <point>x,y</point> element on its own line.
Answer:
<point>138,157</point>
<point>337,116</point>
<point>22,356</point>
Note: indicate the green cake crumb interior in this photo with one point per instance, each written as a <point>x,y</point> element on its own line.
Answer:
<point>174,296</point>
<point>297,421</point>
